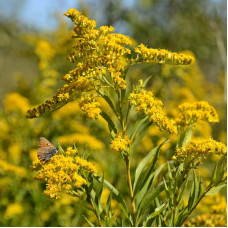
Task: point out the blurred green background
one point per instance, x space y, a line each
35 40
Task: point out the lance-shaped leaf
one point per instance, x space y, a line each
136 126
215 190
139 138
90 223
108 100
194 192
157 212
147 200
115 194
186 136
145 162
143 177
148 184
111 125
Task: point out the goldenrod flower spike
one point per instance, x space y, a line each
153 108
64 95
149 55
191 112
200 148
121 143
90 106
63 173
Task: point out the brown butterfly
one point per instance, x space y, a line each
46 150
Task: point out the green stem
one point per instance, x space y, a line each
131 191
95 212
189 213
121 119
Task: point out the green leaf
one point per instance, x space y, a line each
183 189
145 175
157 212
115 193
108 100
60 149
108 204
111 125
186 136
90 223
98 196
193 197
139 138
148 199
215 190
181 217
145 82
144 162
148 184
200 187
136 126
213 177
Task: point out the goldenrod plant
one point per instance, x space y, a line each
158 195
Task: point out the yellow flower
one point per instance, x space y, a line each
153 108
70 151
16 102
64 95
8 168
150 55
191 112
82 139
63 173
90 106
13 209
200 148
85 165
121 143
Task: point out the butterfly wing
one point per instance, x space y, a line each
46 150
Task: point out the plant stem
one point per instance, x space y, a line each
121 111
131 191
95 212
205 192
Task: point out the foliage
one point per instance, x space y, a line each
164 189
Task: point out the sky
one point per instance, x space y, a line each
40 14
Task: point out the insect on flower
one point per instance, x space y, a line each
46 150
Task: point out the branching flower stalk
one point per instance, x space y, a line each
102 59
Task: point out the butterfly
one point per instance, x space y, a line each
46 150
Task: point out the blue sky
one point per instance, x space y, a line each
41 13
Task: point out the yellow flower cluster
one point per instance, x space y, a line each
90 106
85 165
96 49
64 95
13 209
150 55
217 217
82 139
153 108
8 168
121 143
200 148
15 102
63 173
191 112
